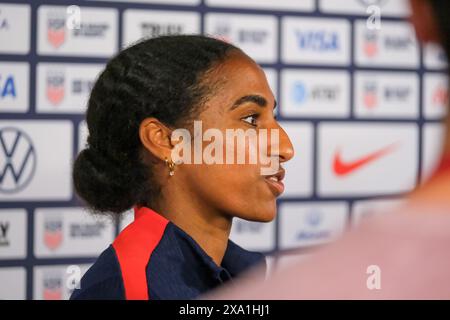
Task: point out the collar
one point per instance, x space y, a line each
235 261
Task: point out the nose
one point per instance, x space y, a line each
286 148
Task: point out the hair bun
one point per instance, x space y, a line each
104 186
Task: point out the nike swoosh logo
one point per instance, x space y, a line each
342 168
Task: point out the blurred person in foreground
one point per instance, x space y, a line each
400 255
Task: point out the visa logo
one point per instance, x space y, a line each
317 40
7 87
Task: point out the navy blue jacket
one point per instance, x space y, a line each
152 258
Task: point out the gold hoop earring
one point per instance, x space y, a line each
171 165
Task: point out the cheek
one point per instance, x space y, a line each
226 185
232 179
242 150
235 189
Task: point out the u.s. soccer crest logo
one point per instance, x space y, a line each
370 95
55 87
56 28
52 286
370 46
53 233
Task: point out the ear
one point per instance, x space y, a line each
155 137
424 21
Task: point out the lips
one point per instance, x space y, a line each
275 182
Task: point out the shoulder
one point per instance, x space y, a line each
103 280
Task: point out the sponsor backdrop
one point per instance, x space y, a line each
362 107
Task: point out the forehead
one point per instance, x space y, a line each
238 76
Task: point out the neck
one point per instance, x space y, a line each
209 228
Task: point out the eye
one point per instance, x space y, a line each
251 119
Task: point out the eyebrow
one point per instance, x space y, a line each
255 98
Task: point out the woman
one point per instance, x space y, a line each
177 247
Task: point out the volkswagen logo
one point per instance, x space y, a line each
17 160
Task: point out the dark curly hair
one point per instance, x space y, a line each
162 77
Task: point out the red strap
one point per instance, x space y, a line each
134 246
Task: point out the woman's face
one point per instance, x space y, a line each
241 100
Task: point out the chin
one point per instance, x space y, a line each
267 218
266 214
